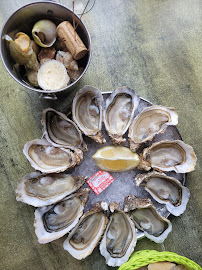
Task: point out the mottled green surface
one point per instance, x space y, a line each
152 46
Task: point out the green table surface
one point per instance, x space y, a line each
152 46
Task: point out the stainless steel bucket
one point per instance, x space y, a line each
24 19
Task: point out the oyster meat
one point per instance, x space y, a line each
85 236
60 131
119 112
119 237
165 190
49 159
87 112
39 189
169 156
54 221
151 121
147 219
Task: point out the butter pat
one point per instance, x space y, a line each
52 75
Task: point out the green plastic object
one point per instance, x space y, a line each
145 257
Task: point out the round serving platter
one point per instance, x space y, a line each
123 184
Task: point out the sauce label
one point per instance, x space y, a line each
100 181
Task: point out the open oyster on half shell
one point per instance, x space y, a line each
54 221
85 236
44 157
147 219
39 189
168 156
165 190
60 131
149 122
119 112
87 112
119 238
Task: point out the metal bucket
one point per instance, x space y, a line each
23 20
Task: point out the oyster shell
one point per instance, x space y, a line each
147 219
44 33
165 190
21 51
60 131
85 236
39 189
46 53
149 122
119 237
49 159
119 112
75 74
54 221
32 76
87 112
67 59
168 156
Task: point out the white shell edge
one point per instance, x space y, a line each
46 237
118 261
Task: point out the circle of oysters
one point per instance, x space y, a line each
59 198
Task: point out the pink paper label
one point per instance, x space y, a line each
100 181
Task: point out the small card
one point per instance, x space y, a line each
100 181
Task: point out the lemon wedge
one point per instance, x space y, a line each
116 159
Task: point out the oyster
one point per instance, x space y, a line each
44 33
87 112
60 131
54 221
84 237
49 159
119 238
119 112
168 156
165 190
147 219
39 189
149 122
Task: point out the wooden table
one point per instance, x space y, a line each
154 47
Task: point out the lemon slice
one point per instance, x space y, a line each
116 159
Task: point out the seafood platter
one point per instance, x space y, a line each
78 144
45 47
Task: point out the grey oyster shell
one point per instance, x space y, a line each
119 238
87 112
147 219
119 112
54 221
85 236
39 189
